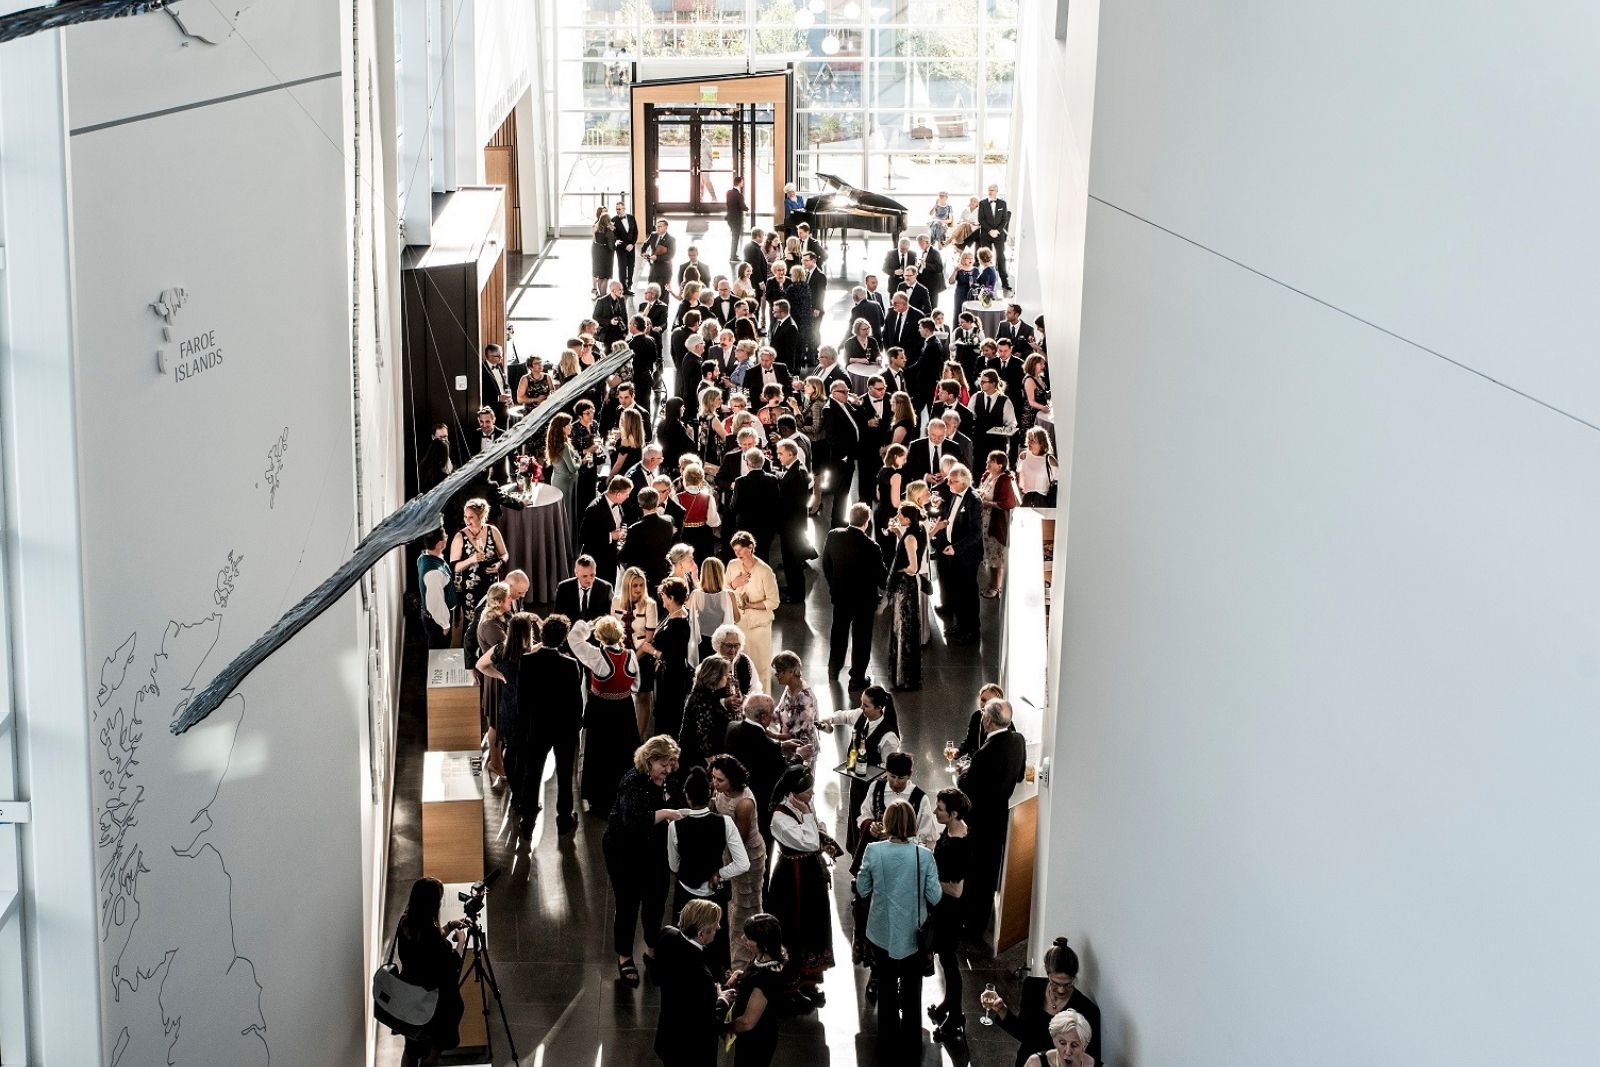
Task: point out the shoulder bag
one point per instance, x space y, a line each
405 1008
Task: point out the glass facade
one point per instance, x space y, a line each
903 97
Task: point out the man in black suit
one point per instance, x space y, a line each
915 292
874 293
624 238
757 502
957 545
646 359
690 1020
989 777
624 398
975 722
583 596
760 271
767 371
692 270
948 398
691 372
1008 367
931 269
966 449
648 467
611 312
496 382
994 219
650 536
843 434
437 461
795 495
900 327
764 758
487 438
723 303
604 526
853 565
654 309
817 282
924 455
1018 332
810 244
551 712
898 259
895 377
735 215
928 371
785 337
866 308
875 419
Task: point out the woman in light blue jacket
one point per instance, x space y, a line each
901 880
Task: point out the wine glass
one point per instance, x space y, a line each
950 751
987 1019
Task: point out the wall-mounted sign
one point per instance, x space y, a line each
708 94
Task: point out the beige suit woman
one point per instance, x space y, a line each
755 594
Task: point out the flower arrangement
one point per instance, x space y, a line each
529 471
985 295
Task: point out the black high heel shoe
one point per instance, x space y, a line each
937 1013
952 1029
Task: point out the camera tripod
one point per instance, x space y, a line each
482 972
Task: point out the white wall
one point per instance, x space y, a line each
1330 658
232 909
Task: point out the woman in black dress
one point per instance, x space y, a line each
754 1021
953 854
600 252
1041 999
670 646
705 715
502 663
903 420
430 958
891 487
635 850
673 433
798 892
860 346
798 293
905 596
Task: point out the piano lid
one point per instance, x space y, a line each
862 197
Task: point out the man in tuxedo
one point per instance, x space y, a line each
898 259
692 270
989 776
817 282
948 398
853 565
916 293
654 309
640 473
870 310
874 293
650 536
895 378
660 247
874 418
624 238
924 455
605 524
486 439
843 435
767 371
994 219
795 498
760 271
1008 367
757 502
900 326
810 244
550 716
785 336
495 384
691 372
957 545
1018 332
437 462
611 312
516 366
623 399
764 758
646 359
585 595
735 215
723 303
931 269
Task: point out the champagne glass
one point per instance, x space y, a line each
988 1015
950 751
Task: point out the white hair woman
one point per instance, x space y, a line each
1070 1033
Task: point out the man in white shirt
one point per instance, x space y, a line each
897 785
705 850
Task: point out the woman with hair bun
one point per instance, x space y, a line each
756 989
1041 1000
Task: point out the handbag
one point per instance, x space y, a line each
405 1008
1050 495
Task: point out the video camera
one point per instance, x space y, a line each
472 900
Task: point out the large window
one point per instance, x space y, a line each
903 97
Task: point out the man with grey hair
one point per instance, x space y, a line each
853 565
757 502
988 777
764 758
864 307
963 444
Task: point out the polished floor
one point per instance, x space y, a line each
549 915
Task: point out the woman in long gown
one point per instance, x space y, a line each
501 663
891 491
799 893
610 731
705 716
561 466
998 491
637 611
670 646
493 621
731 796
905 592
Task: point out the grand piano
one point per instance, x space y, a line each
851 208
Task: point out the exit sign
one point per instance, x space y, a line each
708 94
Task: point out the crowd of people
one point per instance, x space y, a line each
653 678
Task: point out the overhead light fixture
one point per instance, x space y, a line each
830 45
804 19
851 11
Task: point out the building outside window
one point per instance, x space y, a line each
906 98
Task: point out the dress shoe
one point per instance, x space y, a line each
862 682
